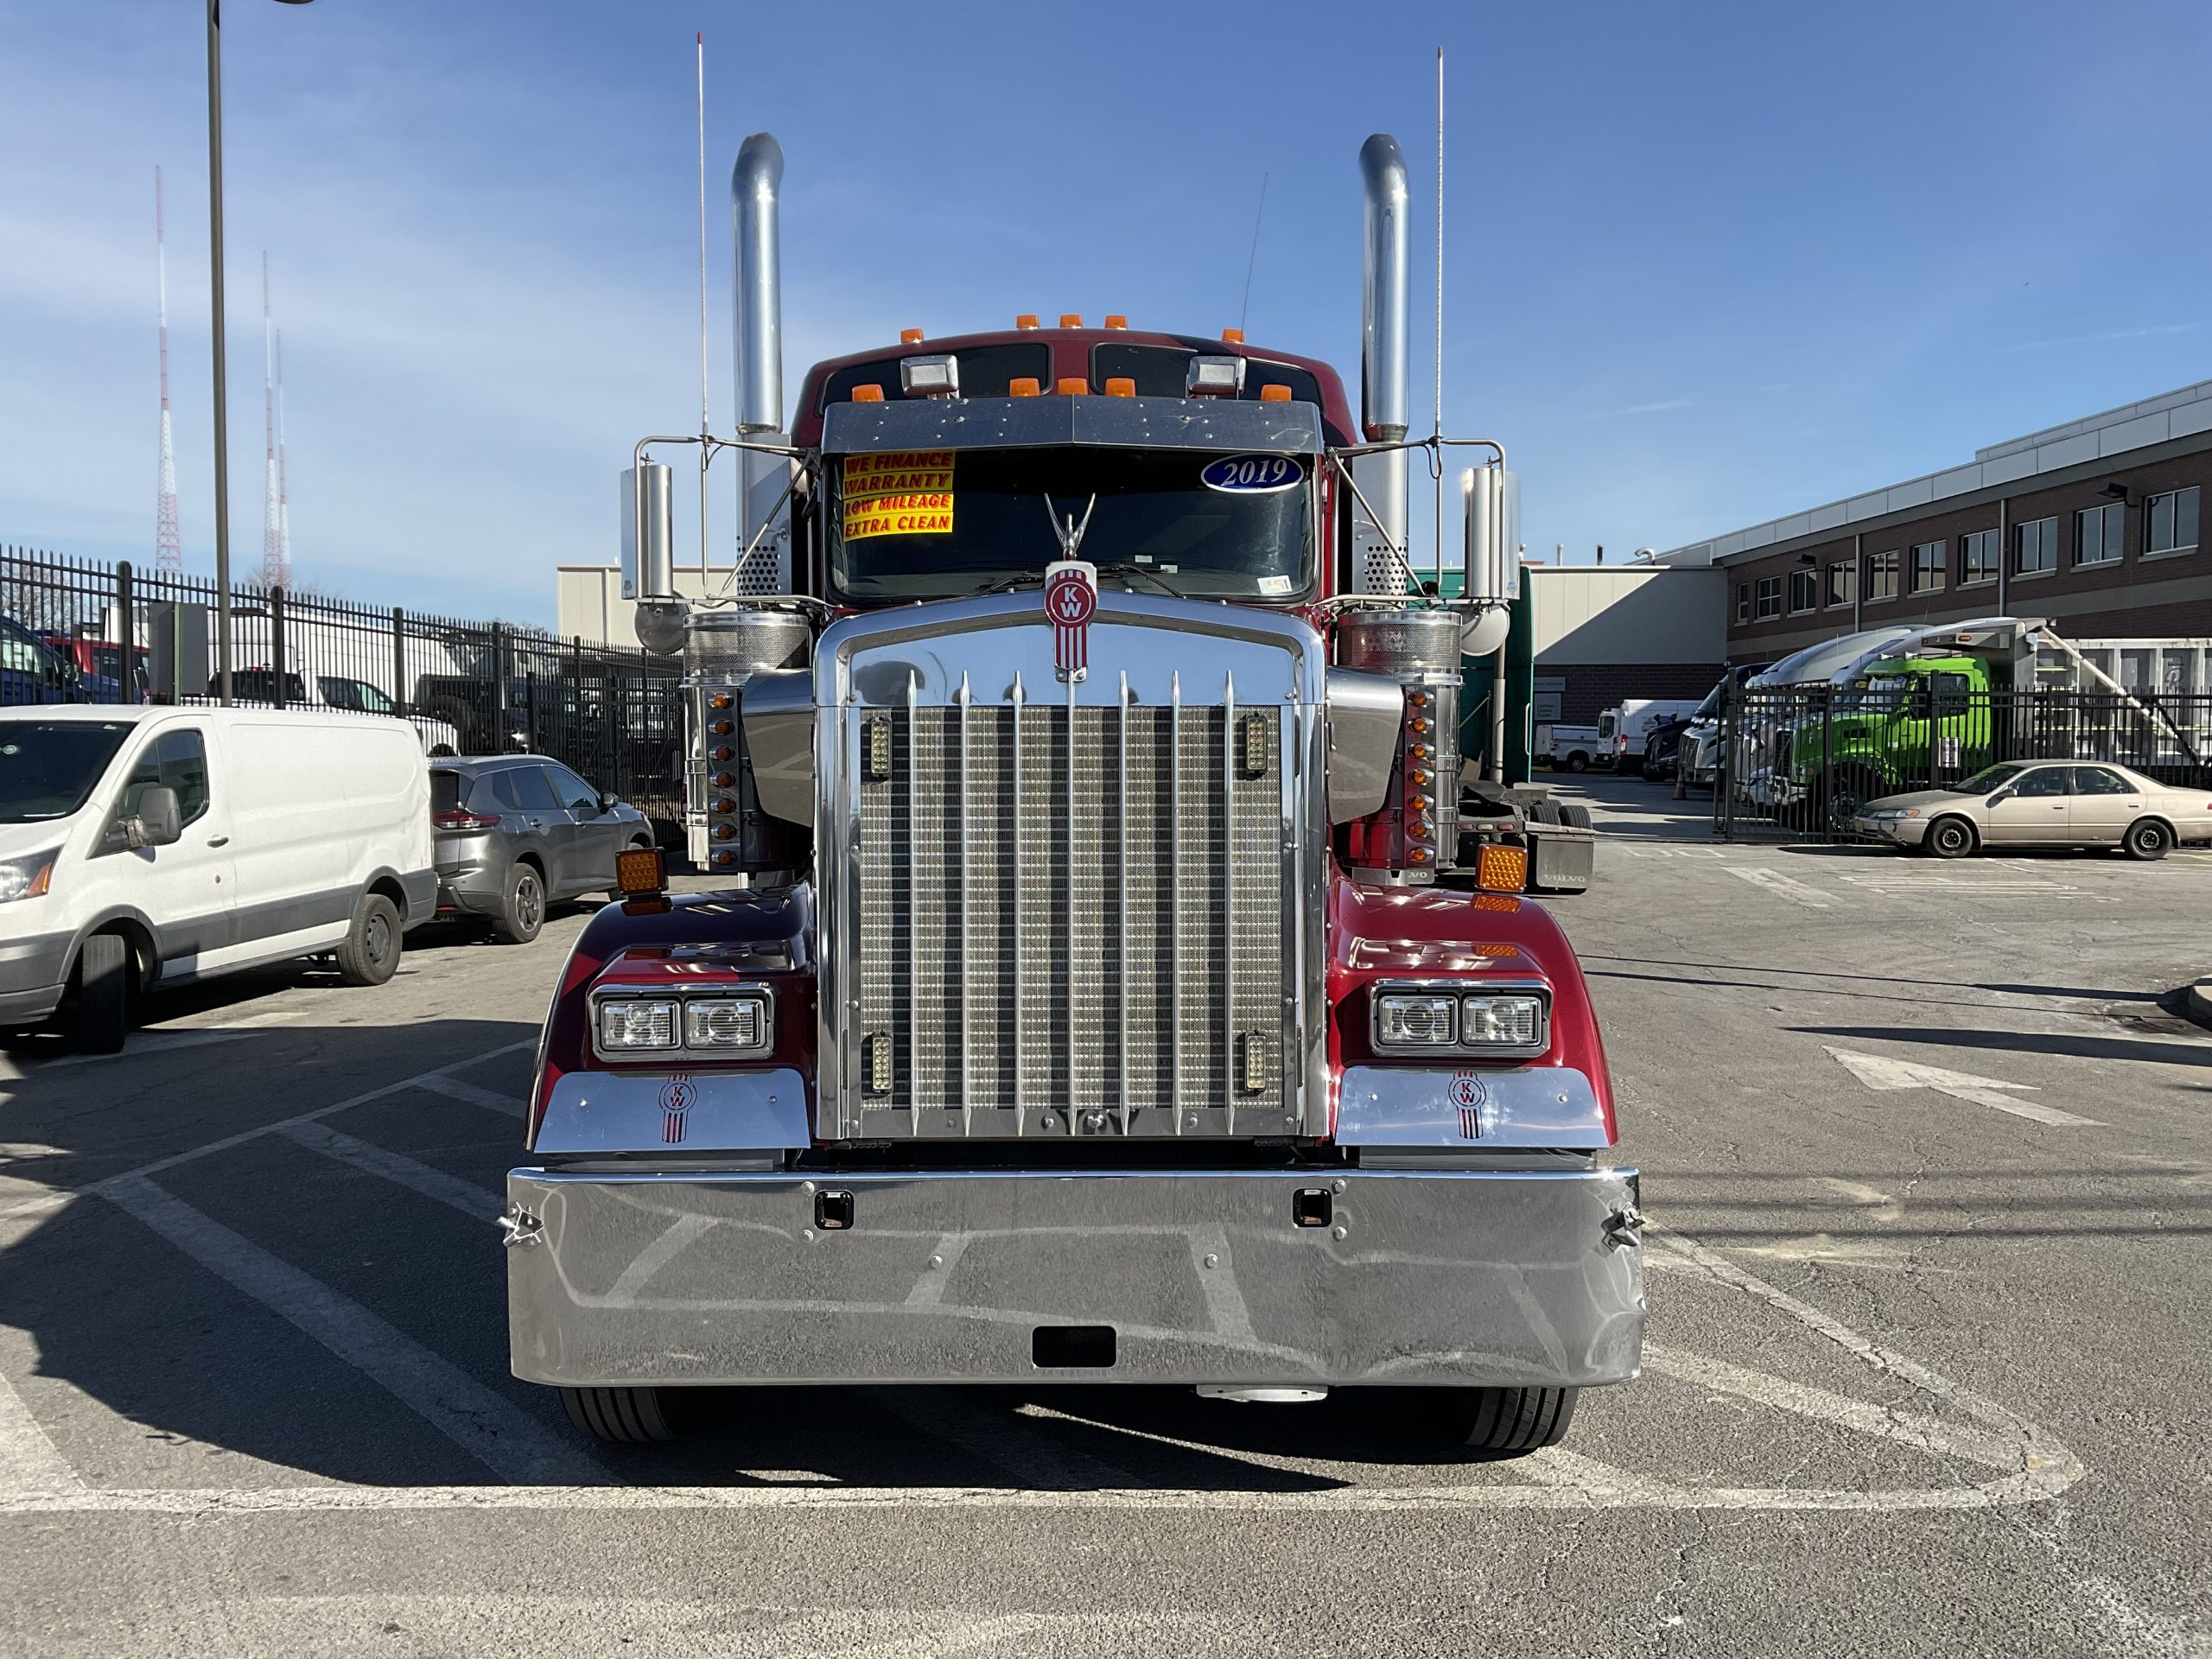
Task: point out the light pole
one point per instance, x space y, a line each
222 404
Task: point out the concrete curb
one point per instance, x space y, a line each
2197 1003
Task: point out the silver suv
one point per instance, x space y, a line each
516 832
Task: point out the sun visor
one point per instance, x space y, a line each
1236 427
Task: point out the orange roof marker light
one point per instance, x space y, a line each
1027 319
1120 386
1070 319
1232 336
1022 385
1274 394
1073 385
867 392
1116 320
910 336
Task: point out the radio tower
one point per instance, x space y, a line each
283 493
273 574
168 544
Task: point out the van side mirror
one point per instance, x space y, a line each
160 821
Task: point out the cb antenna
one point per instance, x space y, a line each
706 448
1436 463
1244 308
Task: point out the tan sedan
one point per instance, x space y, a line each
2042 804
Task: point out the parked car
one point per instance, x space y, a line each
32 671
517 832
1572 748
337 691
2042 804
146 846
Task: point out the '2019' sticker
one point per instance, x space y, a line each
1253 475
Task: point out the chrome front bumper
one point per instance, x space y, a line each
1501 1277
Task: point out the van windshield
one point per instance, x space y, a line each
48 767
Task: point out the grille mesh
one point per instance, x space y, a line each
1073 919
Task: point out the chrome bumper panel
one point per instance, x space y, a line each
1450 1276
1469 1107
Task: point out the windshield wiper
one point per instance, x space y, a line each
1125 570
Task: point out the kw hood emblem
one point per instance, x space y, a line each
676 1097
1070 600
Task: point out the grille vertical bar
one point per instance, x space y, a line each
1229 1078
1175 896
967 922
1015 850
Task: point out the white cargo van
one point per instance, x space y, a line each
142 846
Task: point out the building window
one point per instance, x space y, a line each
1843 583
1928 567
1804 592
2035 548
1882 576
1977 556
2099 534
1770 598
2170 522
1742 602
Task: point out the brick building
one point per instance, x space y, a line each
2092 525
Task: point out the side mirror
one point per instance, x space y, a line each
609 803
2000 797
159 821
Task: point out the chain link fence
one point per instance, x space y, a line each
81 631
1798 763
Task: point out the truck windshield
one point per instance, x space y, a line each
950 523
48 767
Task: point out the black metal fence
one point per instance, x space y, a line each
1798 762
77 631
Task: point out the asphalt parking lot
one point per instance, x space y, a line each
1924 1146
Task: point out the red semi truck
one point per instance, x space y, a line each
1102 979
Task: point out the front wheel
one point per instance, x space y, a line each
1505 1419
2148 839
1948 838
620 1416
103 995
1578 763
522 911
370 955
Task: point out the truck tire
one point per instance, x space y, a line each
618 1416
1545 812
1507 1420
521 912
1949 837
1575 815
370 955
1842 792
104 975
2148 839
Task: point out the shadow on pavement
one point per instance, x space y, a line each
2026 1042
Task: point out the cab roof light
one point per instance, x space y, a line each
1116 320
867 392
1070 319
1027 319
1232 336
930 376
1215 377
1073 385
1276 394
1121 385
910 336
1022 385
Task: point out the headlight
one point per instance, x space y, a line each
1416 1022
726 1022
634 1024
1502 1021
26 878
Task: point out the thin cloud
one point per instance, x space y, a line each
1658 408
2156 331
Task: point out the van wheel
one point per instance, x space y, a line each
1577 762
1498 1420
103 995
371 953
522 911
618 1416
2148 839
1950 837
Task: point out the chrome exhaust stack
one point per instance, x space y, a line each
1379 562
764 533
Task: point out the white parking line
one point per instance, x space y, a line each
496 1432
453 1088
477 1203
1783 887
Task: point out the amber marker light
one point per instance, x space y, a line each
910 336
1120 386
1274 394
1073 385
1070 319
1022 385
1116 320
1027 319
1500 868
869 392
642 875
1232 336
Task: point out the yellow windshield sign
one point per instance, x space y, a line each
905 494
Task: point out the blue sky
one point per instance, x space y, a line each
1706 263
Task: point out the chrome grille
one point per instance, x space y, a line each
1074 919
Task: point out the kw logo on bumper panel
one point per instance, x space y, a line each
1070 600
676 1097
1468 1095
